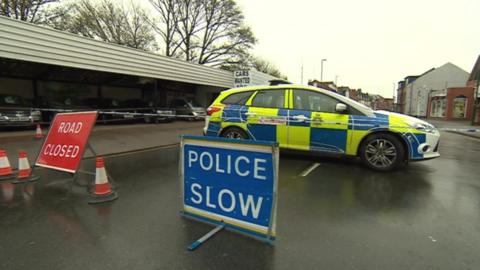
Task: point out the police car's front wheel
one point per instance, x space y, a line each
382 152
234 133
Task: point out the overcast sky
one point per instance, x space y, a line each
369 44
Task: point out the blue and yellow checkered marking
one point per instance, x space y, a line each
321 132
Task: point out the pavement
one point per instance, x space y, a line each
459 127
107 139
340 216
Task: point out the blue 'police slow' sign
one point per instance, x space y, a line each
232 182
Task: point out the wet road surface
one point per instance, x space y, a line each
339 216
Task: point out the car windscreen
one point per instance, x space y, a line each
110 103
350 101
192 103
134 103
12 101
73 102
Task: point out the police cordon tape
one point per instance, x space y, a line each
461 129
125 113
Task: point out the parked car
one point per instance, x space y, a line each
70 103
317 120
16 111
108 105
140 106
188 109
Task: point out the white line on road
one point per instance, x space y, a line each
309 169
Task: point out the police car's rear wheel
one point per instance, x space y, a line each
382 152
234 133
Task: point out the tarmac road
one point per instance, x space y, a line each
339 216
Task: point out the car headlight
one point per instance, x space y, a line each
425 127
35 113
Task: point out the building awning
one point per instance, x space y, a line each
33 43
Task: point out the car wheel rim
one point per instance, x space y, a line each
234 135
381 153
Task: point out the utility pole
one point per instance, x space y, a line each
393 96
410 97
321 69
301 73
336 78
394 102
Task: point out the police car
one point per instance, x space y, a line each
307 118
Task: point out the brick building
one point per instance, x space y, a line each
454 103
473 81
381 103
329 85
416 90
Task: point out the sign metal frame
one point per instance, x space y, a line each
223 143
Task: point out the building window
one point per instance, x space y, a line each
459 107
437 107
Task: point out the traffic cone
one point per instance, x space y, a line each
38 132
24 171
103 191
5 168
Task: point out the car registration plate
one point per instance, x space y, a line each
19 119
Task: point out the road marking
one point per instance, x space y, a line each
309 169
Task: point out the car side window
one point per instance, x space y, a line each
313 101
177 103
269 99
237 98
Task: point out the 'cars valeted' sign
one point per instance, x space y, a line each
242 78
66 141
232 182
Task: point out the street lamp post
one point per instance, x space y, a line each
321 69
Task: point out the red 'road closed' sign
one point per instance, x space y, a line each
66 141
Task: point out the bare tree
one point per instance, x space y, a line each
204 31
224 37
25 10
188 24
166 27
108 21
265 66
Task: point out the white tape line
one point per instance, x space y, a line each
127 113
461 129
309 169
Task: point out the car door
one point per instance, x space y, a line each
267 116
314 124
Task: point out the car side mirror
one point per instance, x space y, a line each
340 108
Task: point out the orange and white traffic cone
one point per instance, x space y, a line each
6 171
24 171
38 132
103 191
